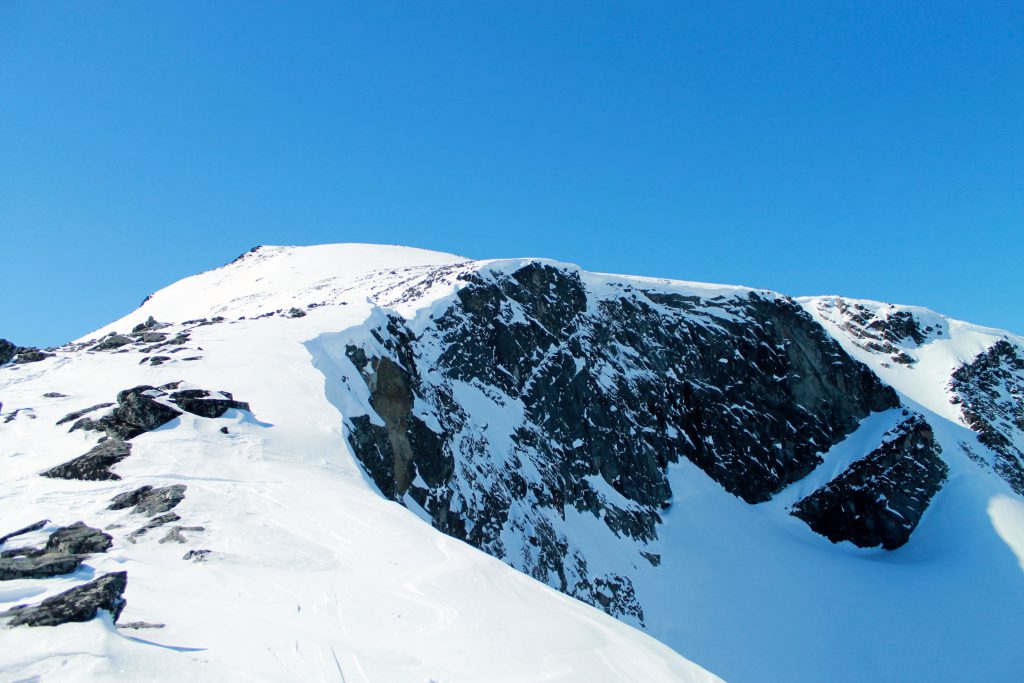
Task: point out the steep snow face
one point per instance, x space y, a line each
296 569
382 372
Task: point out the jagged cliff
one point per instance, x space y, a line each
532 391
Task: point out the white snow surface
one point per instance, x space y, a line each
316 577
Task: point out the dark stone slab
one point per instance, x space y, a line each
38 567
78 538
81 603
94 465
114 341
201 402
148 500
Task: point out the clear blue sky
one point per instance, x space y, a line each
873 149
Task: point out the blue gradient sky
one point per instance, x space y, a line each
872 149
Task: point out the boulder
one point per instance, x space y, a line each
94 465
78 538
81 603
7 351
137 412
148 500
31 355
38 567
150 324
201 402
114 341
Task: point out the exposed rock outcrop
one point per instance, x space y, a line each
530 394
31 355
883 328
148 500
111 342
990 391
78 538
94 465
879 499
7 351
81 603
39 566
207 404
137 412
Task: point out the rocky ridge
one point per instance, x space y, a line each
534 392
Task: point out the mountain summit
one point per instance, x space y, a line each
381 463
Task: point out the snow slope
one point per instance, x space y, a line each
314 576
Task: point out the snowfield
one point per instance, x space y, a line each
313 575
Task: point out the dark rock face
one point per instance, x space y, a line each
204 404
81 603
990 390
137 412
530 395
94 465
888 331
144 408
148 500
30 355
38 566
7 351
879 499
129 498
10 352
114 341
79 539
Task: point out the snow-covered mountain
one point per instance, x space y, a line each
297 459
